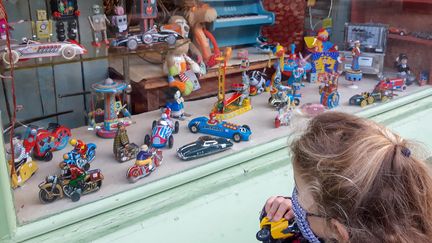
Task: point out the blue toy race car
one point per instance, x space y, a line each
162 133
220 129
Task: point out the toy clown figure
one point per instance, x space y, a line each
98 23
322 43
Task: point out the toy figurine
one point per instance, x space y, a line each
245 89
258 82
204 146
42 27
424 78
146 162
175 104
280 93
72 183
329 92
65 11
220 128
354 74
42 142
162 133
123 150
120 21
146 11
25 167
404 70
284 115
82 154
98 23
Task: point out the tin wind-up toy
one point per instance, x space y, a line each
111 90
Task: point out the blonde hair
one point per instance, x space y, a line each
364 175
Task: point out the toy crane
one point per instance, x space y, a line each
239 102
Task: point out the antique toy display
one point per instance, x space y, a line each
218 128
123 149
65 11
30 49
98 23
42 27
162 132
329 91
203 146
81 155
152 36
404 70
120 21
111 90
354 74
285 112
72 183
146 162
42 142
175 104
25 167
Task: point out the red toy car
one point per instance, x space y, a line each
391 84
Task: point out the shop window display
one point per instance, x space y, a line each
88 84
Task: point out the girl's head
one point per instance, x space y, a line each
362 181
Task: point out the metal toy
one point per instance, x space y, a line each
112 107
354 74
203 146
404 70
72 183
218 128
146 162
65 11
42 142
82 154
25 167
284 115
120 21
123 150
146 13
175 104
98 23
329 91
42 27
162 133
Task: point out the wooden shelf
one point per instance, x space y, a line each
418 1
411 39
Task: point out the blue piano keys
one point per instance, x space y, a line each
239 22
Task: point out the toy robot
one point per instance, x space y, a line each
147 14
98 25
119 21
42 26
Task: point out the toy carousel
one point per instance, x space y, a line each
111 91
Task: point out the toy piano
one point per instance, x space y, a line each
239 22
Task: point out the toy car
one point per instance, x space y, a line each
152 36
220 129
392 84
143 168
272 232
162 133
204 146
398 31
33 49
362 99
42 142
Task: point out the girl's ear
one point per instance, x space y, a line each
340 230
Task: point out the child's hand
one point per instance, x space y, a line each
278 207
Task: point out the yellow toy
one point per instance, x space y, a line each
42 27
281 229
24 166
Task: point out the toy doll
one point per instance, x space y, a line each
120 21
